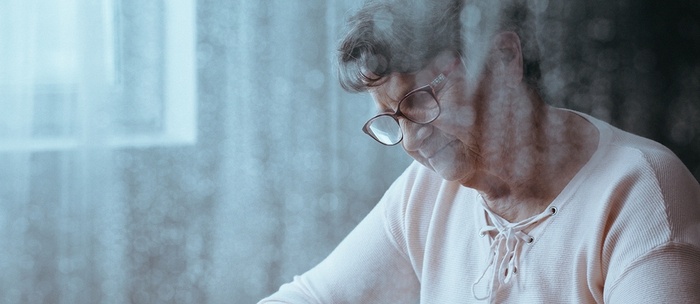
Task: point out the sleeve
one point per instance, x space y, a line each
668 274
366 267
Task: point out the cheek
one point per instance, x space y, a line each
457 121
459 112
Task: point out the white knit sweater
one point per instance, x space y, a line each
626 229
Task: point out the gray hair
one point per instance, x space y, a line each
402 36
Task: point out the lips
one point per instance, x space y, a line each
432 154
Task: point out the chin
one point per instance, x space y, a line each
451 168
452 173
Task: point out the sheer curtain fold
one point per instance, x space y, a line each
56 169
297 161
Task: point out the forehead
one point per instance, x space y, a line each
395 87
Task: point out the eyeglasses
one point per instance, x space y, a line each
419 106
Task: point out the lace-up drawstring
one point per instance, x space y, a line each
505 247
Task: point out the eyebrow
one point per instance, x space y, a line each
392 100
403 92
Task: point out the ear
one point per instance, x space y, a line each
506 57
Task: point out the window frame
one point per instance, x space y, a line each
178 121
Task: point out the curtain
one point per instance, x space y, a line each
57 196
119 187
203 152
298 173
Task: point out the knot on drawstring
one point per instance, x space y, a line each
507 240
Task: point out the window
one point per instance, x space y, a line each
111 72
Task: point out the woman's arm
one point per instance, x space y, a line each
366 267
668 274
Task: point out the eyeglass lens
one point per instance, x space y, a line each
385 129
419 107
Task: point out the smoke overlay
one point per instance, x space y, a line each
279 171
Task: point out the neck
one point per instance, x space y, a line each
529 156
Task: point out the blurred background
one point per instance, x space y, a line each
201 151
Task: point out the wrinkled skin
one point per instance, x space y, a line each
494 135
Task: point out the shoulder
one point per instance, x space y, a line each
650 203
655 168
630 160
414 199
416 183
669 273
628 153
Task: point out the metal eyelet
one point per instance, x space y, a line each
554 210
532 239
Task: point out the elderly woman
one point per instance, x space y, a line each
510 200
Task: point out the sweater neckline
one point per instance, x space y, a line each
604 138
537 221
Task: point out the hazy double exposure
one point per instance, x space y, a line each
202 151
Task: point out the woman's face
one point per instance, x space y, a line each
450 144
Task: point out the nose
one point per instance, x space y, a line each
414 134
